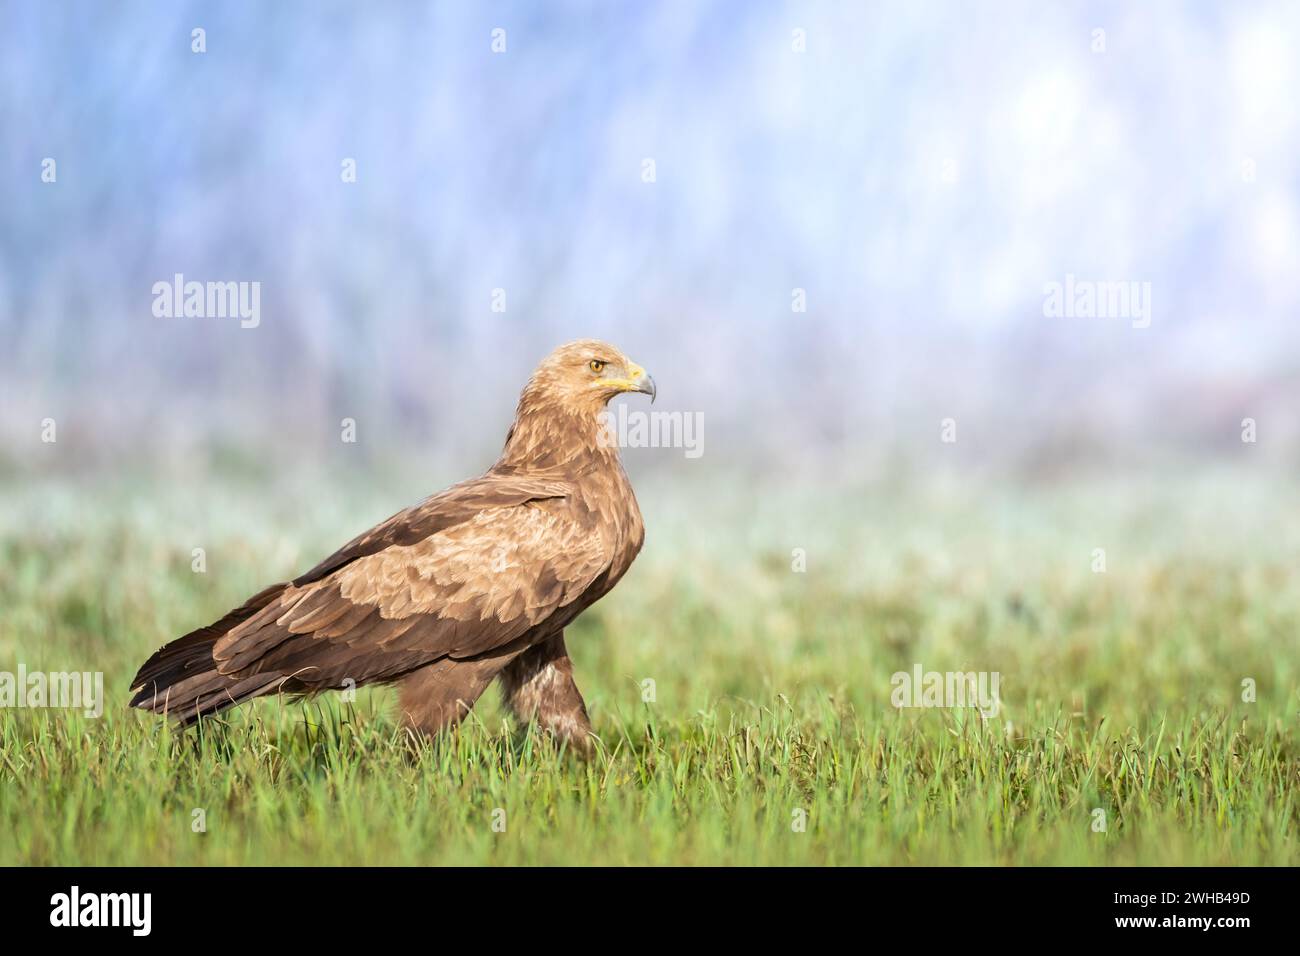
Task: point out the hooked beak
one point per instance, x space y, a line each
638 380
646 385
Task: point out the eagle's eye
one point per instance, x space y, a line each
596 365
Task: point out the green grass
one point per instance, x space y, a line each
1121 691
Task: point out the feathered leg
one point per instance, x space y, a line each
440 694
539 685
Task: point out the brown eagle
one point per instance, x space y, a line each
475 582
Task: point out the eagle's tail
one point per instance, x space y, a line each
181 678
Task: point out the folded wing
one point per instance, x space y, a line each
423 586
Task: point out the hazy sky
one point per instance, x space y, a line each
667 176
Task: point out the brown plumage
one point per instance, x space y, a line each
473 583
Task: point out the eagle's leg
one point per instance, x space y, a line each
440 694
538 684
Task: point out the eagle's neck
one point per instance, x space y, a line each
550 436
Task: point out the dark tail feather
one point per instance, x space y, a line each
205 694
181 678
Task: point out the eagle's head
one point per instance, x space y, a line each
584 375
561 415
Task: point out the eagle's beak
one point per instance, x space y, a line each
636 381
640 381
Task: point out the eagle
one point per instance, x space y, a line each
474 583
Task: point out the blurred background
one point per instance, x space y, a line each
921 171
828 229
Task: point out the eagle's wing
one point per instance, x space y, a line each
438 512
465 572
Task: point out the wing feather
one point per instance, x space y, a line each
438 512
402 595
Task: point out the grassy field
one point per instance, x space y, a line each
1121 691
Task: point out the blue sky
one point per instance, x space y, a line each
920 170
